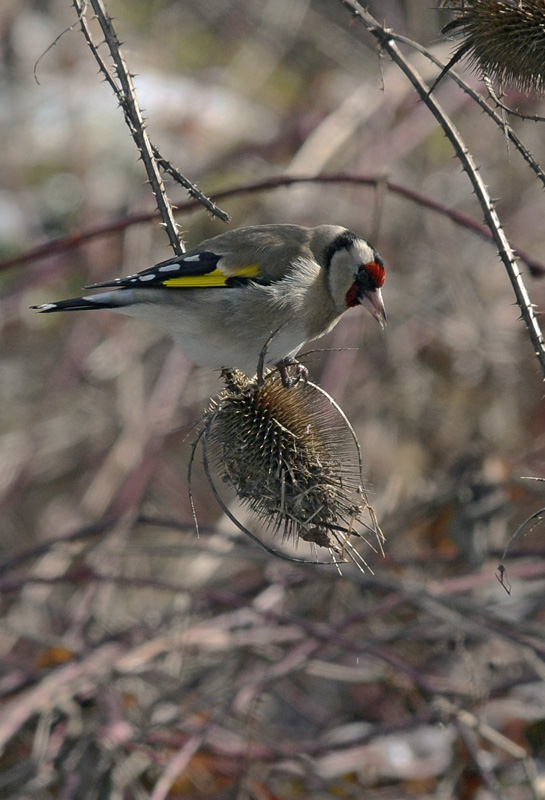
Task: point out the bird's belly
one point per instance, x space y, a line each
226 349
216 329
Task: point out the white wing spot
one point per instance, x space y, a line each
193 258
149 277
170 267
46 306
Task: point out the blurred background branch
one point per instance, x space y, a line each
536 267
137 660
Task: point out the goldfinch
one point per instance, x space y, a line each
224 299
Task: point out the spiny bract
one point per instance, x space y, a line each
505 39
291 457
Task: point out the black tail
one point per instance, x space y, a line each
75 304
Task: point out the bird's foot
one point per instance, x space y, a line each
301 372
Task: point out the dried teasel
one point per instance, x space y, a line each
504 39
293 459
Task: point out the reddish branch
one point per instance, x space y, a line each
79 237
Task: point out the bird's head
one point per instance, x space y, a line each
356 274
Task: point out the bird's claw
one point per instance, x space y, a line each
301 372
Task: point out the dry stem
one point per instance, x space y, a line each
386 42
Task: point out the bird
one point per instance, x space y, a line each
274 286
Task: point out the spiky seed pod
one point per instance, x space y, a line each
292 458
505 39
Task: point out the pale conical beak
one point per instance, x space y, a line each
374 304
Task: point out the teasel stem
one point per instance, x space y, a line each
383 37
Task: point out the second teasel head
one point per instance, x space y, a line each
504 39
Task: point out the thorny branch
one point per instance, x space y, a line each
123 88
498 119
386 42
192 190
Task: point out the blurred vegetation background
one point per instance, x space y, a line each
138 660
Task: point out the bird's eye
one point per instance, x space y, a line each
364 280
373 273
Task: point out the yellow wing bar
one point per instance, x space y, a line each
215 278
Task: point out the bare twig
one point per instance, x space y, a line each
524 528
385 40
192 190
56 688
497 739
123 87
471 742
177 764
63 243
499 102
498 119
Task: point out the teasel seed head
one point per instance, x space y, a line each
293 460
504 39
